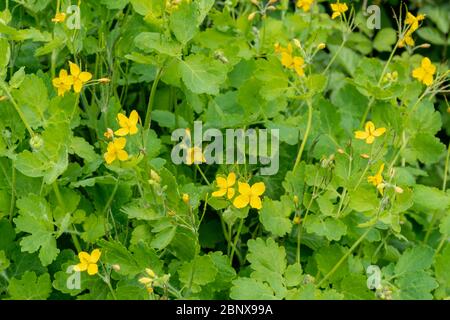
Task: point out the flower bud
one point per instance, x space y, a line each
272 1
296 201
251 16
364 156
2 98
425 46
255 2
398 189
109 134
104 80
271 8
341 151
296 220
321 46
150 272
155 176
116 267
297 43
185 198
36 142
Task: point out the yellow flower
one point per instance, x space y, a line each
338 9
377 179
63 83
88 262
225 186
127 125
413 23
249 195
59 17
369 132
109 134
425 72
290 61
305 4
195 155
79 77
115 151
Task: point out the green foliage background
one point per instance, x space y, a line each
205 60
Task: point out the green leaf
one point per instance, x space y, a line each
30 287
5 53
415 286
415 259
202 74
82 148
159 43
430 198
385 39
274 216
32 97
266 256
35 218
251 289
198 272
432 36
427 148
184 21
330 228
4 261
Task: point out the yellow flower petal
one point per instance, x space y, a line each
231 179
74 69
122 155
122 132
255 202
81 267
361 135
77 86
120 143
378 132
428 79
95 255
369 127
241 201
134 117
219 193
221 182
109 157
92 269
258 189
230 193
85 76
370 139
84 257
244 188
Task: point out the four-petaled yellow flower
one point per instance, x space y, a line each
305 4
79 77
88 262
377 179
225 186
425 72
194 155
369 132
338 9
249 195
290 61
413 23
63 83
127 125
59 17
115 151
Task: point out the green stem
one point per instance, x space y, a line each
447 159
344 257
334 56
236 239
305 138
13 192
202 174
369 106
60 200
151 100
